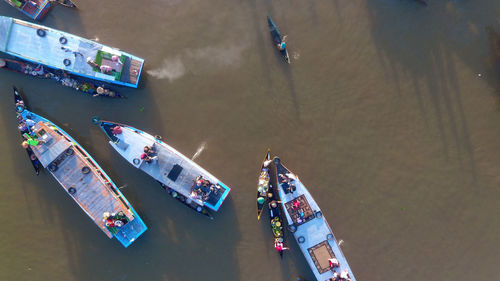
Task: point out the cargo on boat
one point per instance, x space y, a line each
79 175
80 84
181 177
267 194
310 228
63 51
35 9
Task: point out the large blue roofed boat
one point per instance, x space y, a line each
61 50
79 175
310 228
181 177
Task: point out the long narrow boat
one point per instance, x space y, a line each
34 161
180 176
263 184
66 80
277 38
63 51
38 9
81 177
310 228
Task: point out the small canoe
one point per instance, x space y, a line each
277 38
310 228
263 184
65 3
67 80
181 177
80 177
275 218
18 100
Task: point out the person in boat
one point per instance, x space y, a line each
296 205
146 158
30 141
117 130
282 45
279 245
92 63
333 263
149 150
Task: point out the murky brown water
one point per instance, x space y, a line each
382 114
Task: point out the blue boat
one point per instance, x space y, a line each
79 175
310 228
63 51
181 177
37 9
277 39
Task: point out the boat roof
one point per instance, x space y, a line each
35 9
170 168
313 234
95 192
21 39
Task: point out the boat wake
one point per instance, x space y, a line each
171 69
201 60
200 150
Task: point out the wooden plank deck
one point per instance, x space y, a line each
93 193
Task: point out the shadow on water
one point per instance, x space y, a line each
409 41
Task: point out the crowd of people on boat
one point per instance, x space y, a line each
114 220
149 154
202 188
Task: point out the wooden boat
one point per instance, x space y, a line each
310 228
38 9
33 159
66 80
263 184
63 51
65 3
81 177
277 38
181 177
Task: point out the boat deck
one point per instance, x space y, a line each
314 236
20 39
93 193
170 167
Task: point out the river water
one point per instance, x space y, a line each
389 113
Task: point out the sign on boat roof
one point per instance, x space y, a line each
61 50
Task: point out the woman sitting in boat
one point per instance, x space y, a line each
278 245
282 45
333 263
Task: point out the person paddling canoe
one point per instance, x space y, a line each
282 46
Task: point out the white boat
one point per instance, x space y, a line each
180 176
60 50
310 228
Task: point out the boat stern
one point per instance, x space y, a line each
131 231
215 204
